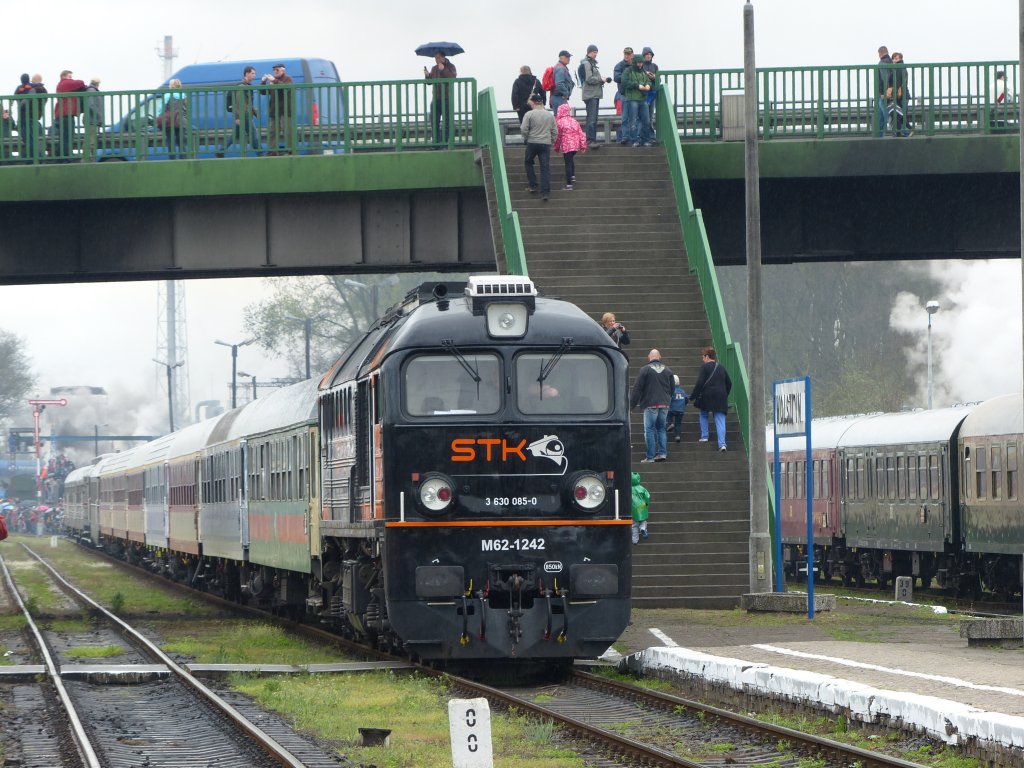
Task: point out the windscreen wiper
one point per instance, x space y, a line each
549 366
449 345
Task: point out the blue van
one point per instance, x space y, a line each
140 131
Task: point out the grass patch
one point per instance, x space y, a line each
334 707
221 642
109 584
94 651
12 622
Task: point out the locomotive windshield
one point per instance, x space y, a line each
442 384
576 384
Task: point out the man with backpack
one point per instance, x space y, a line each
562 89
240 105
592 84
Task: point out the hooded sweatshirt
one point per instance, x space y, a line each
633 78
641 500
571 137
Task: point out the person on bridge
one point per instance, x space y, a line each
652 72
280 112
94 117
711 395
29 112
593 89
174 120
563 82
620 68
884 91
443 69
65 111
636 117
571 140
242 108
539 134
900 97
653 390
525 86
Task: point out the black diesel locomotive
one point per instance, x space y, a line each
470 501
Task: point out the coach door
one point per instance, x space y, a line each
240 471
309 468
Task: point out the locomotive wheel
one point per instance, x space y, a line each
883 581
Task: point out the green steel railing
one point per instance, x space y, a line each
698 254
842 101
195 122
490 136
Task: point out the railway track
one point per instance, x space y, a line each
659 729
626 724
165 717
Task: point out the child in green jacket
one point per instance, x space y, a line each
641 498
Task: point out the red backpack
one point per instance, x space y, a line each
547 82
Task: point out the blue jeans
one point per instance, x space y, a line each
881 116
592 105
719 427
245 133
636 121
543 151
556 102
654 432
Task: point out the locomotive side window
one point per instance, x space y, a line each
577 384
997 472
440 385
1011 471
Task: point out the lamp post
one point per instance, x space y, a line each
931 308
252 376
307 329
234 366
170 391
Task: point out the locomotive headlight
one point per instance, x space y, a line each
507 320
588 491
436 494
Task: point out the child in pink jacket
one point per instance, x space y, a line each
571 139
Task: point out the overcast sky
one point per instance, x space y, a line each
114 326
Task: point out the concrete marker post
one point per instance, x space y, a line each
470 724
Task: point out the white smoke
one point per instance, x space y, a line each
976 334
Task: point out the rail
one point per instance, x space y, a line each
959 98
491 138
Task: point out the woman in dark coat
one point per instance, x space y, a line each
711 395
522 89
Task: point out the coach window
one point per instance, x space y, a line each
451 384
879 476
912 476
1011 471
570 384
816 475
826 472
980 473
901 476
788 483
861 478
890 476
922 477
935 472
997 472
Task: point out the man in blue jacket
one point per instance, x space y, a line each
563 82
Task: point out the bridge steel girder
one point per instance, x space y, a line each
216 218
864 199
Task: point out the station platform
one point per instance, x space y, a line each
873 661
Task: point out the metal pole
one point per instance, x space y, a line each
170 400
39 466
254 386
309 332
929 361
234 375
760 545
1020 55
